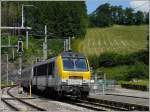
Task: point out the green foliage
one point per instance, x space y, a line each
107 15
147 18
126 72
63 19
102 16
142 82
140 85
35 49
139 71
139 17
122 67
110 59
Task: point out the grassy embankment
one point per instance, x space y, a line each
118 39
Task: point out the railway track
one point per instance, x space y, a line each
103 106
85 105
92 105
89 103
117 105
106 105
18 104
127 96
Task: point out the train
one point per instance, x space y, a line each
66 74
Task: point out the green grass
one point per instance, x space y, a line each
141 83
119 38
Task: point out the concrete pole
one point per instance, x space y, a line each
104 83
27 39
69 43
45 34
8 40
64 44
20 65
7 67
45 44
13 53
22 17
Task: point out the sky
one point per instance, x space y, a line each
142 5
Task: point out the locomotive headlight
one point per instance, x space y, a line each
64 81
86 81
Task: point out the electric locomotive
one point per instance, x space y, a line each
66 74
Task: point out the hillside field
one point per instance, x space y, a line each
119 39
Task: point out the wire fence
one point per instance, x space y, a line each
101 86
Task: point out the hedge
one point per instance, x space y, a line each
135 85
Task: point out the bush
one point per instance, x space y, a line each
126 72
142 85
139 71
93 60
142 55
110 59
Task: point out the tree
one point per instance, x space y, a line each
92 20
64 19
139 16
103 15
129 16
147 18
114 14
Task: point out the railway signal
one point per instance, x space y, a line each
20 47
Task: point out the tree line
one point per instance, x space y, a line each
63 18
107 15
67 18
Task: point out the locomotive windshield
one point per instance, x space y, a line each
75 64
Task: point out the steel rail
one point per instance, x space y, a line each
20 100
107 107
127 96
10 105
121 105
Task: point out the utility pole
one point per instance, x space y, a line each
7 67
13 53
22 24
45 45
22 14
69 43
27 39
20 51
104 83
64 44
8 40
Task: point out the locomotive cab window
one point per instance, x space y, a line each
81 64
75 64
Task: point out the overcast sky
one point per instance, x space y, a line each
142 5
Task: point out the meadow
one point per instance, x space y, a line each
118 39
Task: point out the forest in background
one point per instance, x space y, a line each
107 15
